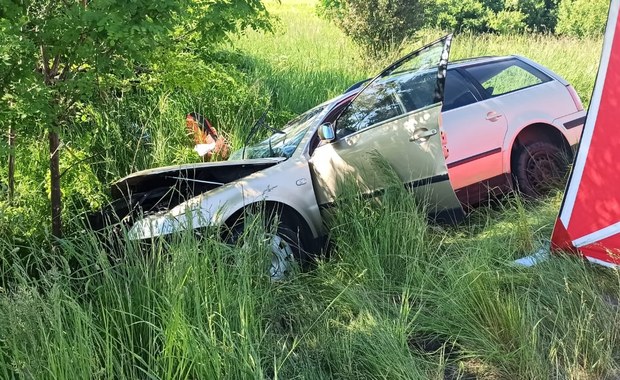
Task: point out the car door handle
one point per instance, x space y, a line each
423 134
493 116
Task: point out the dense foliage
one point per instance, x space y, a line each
376 24
60 59
380 24
582 17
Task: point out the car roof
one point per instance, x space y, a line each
473 61
476 60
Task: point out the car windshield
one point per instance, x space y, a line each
282 143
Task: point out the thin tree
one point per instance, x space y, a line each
81 47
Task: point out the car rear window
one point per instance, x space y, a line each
498 78
459 91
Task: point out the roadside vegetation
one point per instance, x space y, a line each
395 298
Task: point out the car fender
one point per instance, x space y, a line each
215 207
524 121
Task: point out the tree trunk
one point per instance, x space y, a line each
55 184
55 194
11 163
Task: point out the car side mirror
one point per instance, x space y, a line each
327 132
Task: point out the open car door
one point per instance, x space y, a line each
394 119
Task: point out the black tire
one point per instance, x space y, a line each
539 168
287 245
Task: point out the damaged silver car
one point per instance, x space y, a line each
297 173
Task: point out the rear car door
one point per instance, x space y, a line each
475 125
395 119
514 94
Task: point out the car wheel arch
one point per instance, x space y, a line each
286 212
533 133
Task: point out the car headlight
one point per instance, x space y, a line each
153 225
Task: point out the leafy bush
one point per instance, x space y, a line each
380 24
539 15
506 22
582 17
502 17
376 25
459 15
82 190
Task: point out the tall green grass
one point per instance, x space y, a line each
396 298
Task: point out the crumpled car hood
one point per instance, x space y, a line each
200 176
154 190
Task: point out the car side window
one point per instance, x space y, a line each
459 91
417 90
411 83
376 104
498 78
385 99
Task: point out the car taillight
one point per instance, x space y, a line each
576 98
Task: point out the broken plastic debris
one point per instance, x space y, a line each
531 260
203 149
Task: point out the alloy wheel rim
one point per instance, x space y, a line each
281 258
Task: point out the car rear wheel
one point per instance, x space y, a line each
540 167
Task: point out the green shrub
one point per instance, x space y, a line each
459 15
582 18
376 25
503 17
539 15
506 22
